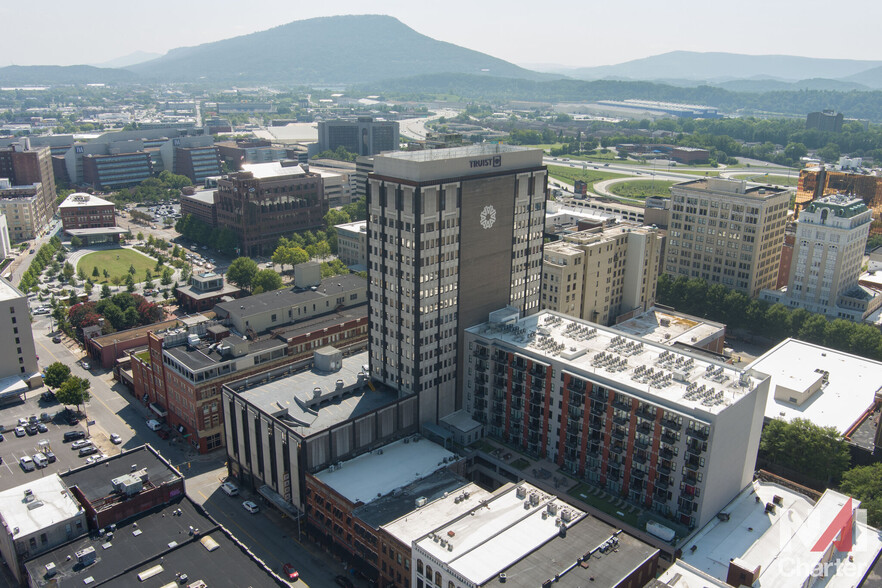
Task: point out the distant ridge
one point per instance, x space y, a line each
328 50
39 75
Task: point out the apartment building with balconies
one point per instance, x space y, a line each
664 429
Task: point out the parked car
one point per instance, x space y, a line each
230 489
80 444
85 365
115 439
27 464
344 581
74 435
47 396
88 450
42 428
40 460
251 507
19 432
50 456
56 339
31 429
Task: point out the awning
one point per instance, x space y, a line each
158 409
12 387
278 500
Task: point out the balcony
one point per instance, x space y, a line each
481 352
574 427
572 440
694 448
535 423
599 395
499 382
576 398
646 413
481 366
639 458
663 482
638 474
666 453
500 370
621 420
644 428
671 424
517 390
618 434
663 469
537 373
697 433
517 404
622 404
668 437
575 413
533 437
499 395
497 421
537 399
640 444
617 449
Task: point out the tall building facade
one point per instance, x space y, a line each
819 182
29 169
831 236
600 275
662 428
726 233
364 136
18 356
452 235
825 120
267 201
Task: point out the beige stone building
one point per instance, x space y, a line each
726 233
600 275
352 243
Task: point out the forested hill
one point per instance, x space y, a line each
855 104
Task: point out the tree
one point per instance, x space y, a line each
74 391
81 274
132 270
166 278
817 452
865 484
267 280
75 241
88 287
56 374
116 280
105 273
95 273
105 291
335 217
241 272
67 271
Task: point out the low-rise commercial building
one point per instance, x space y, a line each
37 517
200 204
180 374
663 428
774 535
20 205
204 291
602 274
85 211
827 387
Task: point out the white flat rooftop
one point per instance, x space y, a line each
682 380
354 227
8 291
81 199
272 169
781 542
427 518
853 384
496 533
665 327
372 475
55 505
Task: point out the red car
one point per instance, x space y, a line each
289 572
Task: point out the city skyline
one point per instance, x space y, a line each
563 33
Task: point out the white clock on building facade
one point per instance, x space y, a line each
488 217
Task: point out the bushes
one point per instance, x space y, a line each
776 322
31 278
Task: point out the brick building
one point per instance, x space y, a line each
267 201
84 211
180 373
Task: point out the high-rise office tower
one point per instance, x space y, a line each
453 234
726 233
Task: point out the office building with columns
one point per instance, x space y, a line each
452 235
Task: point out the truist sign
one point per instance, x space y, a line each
495 161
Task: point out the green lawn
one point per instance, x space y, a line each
520 464
117 263
770 179
696 172
591 176
642 189
583 493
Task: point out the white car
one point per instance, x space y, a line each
80 444
27 464
115 439
250 507
40 460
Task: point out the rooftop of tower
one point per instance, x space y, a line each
451 164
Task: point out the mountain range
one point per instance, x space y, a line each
359 49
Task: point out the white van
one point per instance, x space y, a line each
229 489
27 464
154 425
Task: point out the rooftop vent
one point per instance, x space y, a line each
421 501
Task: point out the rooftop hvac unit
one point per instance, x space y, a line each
566 515
421 501
86 556
534 498
50 569
521 492
552 508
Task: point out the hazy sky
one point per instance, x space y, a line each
568 32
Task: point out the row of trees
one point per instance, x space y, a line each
31 278
776 322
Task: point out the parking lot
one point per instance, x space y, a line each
13 448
